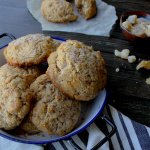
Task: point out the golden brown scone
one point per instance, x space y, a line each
54 113
87 8
15 97
58 11
27 126
77 70
29 50
28 73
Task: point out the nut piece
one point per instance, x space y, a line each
127 25
123 54
137 26
132 19
148 81
145 64
131 59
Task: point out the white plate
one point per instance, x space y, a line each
90 110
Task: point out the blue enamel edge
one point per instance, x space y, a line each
64 137
3 46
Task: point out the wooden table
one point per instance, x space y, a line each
128 91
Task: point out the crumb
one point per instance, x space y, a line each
136 82
145 64
148 80
117 53
24 136
148 31
131 59
117 69
38 134
123 54
42 135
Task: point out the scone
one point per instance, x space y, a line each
77 70
87 8
58 11
27 126
28 73
15 98
29 50
54 113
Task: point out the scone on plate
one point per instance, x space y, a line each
15 98
28 73
53 113
58 11
77 70
27 126
30 50
87 8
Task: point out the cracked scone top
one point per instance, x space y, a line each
53 113
15 97
58 11
87 8
77 70
30 50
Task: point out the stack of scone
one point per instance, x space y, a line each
34 98
62 11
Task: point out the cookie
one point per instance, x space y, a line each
15 98
77 70
58 11
30 50
54 113
87 8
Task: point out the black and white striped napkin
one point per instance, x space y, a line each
130 135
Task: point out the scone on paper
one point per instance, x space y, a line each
77 70
30 50
87 8
58 11
53 112
15 98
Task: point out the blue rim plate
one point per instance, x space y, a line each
90 110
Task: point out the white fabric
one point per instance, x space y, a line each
99 25
95 135
130 135
11 145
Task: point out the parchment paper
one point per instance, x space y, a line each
100 25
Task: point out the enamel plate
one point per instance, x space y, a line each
90 110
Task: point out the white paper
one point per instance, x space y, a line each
100 25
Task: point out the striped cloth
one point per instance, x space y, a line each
130 135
